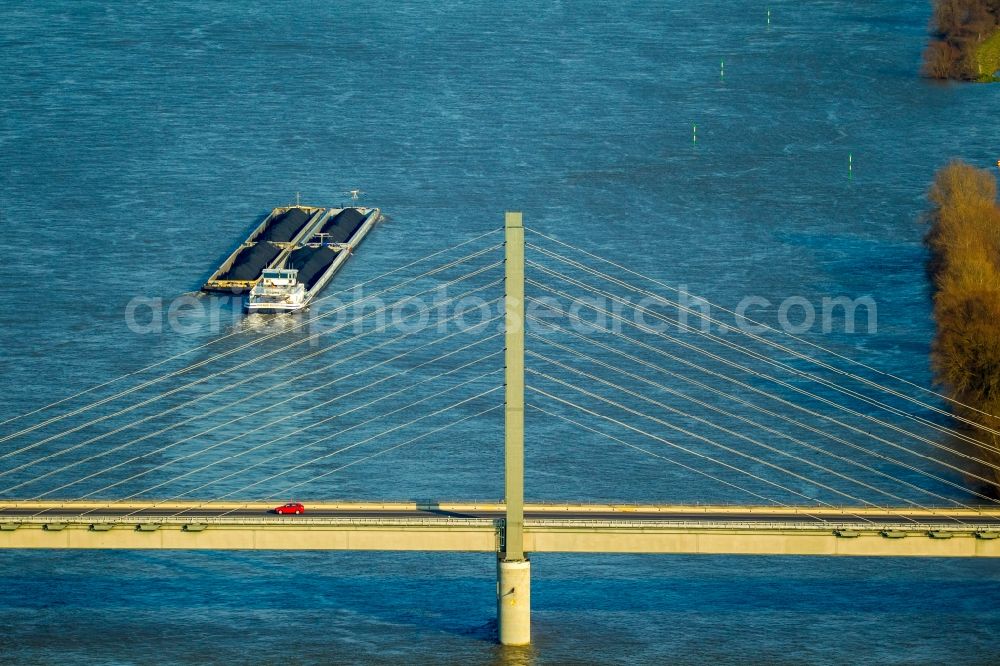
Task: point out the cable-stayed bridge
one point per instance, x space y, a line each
729 435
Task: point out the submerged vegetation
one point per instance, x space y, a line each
964 240
966 44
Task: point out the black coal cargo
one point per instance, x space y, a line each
283 227
251 261
311 263
342 226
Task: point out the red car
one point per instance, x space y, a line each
291 507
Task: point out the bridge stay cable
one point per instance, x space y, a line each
274 440
379 435
619 390
394 447
282 454
789 404
235 333
249 344
685 449
783 366
958 434
296 431
254 377
233 368
690 433
304 392
808 343
712 424
741 401
791 387
597 362
659 456
357 461
294 450
162 449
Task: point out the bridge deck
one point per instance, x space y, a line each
455 526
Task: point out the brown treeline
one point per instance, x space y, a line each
958 27
964 241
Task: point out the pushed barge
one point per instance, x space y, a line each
292 255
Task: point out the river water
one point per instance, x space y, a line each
140 140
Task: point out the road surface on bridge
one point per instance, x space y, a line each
493 511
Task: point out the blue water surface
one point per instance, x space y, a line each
141 140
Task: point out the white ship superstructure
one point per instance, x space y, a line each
278 290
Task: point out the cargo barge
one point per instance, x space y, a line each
292 255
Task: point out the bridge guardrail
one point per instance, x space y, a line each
431 522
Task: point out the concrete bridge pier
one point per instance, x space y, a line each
514 601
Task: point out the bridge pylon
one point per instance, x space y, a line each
513 567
